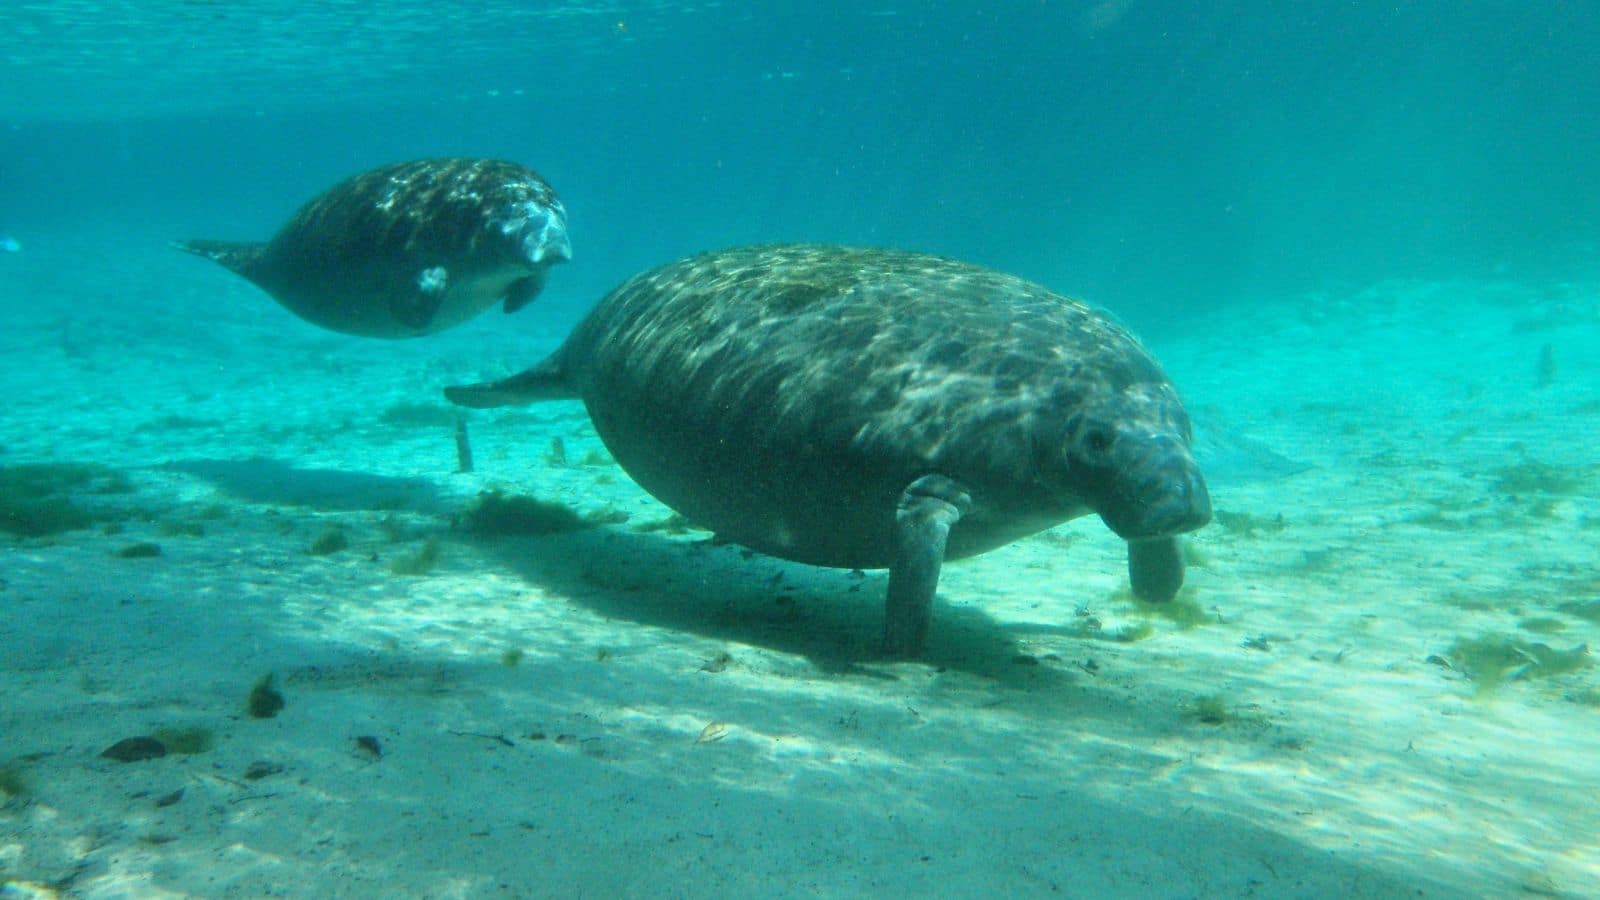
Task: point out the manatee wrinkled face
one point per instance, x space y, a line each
1127 454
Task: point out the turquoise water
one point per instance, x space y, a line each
1361 237
1145 155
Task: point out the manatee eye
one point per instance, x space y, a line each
1096 441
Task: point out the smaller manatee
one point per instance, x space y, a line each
409 249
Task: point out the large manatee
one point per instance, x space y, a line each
876 408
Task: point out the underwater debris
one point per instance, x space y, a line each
135 749
1090 627
500 739
368 748
262 769
329 540
264 700
1494 659
713 732
170 799
419 563
141 550
717 663
511 658
497 513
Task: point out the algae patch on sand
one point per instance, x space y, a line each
39 499
1493 659
498 513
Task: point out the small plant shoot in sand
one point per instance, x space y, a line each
330 540
1545 370
556 456
419 563
264 701
1212 709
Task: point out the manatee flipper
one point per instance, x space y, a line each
523 290
1155 568
927 510
546 381
242 257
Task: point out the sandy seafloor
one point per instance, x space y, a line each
691 720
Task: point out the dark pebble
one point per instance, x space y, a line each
134 749
261 769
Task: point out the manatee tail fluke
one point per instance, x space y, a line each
238 256
546 381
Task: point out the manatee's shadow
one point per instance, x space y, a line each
271 481
723 592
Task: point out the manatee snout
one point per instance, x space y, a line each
1171 502
544 235
1159 491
